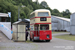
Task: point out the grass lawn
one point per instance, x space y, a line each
67 37
58 32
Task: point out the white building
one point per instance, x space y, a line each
5 25
72 23
60 23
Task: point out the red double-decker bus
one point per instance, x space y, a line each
40 24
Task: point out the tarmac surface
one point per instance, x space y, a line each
54 44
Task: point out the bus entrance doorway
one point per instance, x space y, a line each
36 34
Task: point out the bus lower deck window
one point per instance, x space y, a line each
44 27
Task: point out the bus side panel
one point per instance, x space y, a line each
43 35
34 33
31 34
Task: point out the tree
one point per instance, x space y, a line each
56 11
6 7
27 11
12 6
37 2
66 13
30 7
22 15
44 4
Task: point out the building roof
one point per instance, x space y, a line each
3 15
28 20
24 20
17 22
62 18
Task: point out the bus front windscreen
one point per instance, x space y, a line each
43 14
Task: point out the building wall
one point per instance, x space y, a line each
60 24
72 18
7 24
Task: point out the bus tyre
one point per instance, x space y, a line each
47 40
33 38
30 39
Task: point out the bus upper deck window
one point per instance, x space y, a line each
32 15
43 14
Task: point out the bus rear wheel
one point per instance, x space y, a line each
33 38
47 40
30 39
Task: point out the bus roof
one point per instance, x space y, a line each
38 10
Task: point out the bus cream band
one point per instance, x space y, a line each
37 20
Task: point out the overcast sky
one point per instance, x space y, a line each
61 5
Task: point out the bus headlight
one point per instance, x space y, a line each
47 36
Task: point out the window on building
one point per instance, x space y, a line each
4 19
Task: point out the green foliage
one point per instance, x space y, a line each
13 5
22 15
37 2
30 7
66 13
27 11
44 4
8 7
56 11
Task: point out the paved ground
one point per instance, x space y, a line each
3 38
55 44
57 34
6 44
